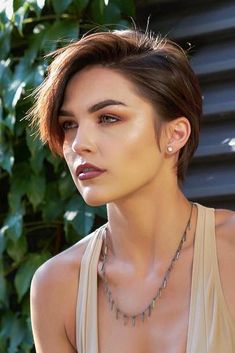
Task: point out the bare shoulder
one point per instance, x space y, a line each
53 299
61 266
225 225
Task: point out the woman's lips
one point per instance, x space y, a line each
88 171
90 174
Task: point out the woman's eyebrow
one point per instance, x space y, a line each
104 104
95 107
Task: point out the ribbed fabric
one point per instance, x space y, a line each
210 329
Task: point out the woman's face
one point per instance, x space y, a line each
107 124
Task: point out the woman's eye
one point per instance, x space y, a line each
66 125
107 119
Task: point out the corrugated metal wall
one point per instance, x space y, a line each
209 28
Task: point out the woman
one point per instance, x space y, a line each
124 108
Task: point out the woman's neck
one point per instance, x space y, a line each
146 228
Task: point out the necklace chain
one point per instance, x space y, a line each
148 310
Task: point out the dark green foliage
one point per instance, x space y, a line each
41 213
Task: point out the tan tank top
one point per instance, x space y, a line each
210 328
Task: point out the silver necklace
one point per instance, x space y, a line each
148 310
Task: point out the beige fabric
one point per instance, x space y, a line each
210 329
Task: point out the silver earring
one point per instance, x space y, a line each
169 149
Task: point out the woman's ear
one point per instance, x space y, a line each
177 134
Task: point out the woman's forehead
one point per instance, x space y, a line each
96 84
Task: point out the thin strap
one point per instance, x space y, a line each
210 328
211 244
196 300
86 312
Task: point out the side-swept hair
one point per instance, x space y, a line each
158 68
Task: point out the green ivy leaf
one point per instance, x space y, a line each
54 160
14 93
97 11
33 142
36 189
36 150
17 4
8 319
61 5
35 77
80 215
26 271
82 4
6 156
17 249
2 241
60 33
5 73
20 15
9 121
18 186
37 5
101 211
5 40
3 286
18 331
126 7
66 186
112 13
7 9
12 227
53 205
36 43
22 75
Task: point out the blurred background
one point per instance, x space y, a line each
41 213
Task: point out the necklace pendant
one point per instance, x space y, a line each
109 295
177 254
125 319
153 303
117 314
133 320
112 305
165 282
143 316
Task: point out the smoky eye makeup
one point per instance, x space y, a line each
108 119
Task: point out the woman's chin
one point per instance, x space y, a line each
92 200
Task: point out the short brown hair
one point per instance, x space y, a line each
158 67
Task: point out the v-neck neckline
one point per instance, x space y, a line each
192 286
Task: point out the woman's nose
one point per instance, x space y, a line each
83 141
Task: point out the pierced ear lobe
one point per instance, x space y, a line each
181 131
169 149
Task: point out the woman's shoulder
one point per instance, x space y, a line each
61 267
225 225
54 290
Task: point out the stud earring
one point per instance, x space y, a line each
169 149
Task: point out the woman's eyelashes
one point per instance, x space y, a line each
108 119
66 125
103 119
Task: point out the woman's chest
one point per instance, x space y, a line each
164 331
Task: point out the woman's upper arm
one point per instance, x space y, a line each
48 303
